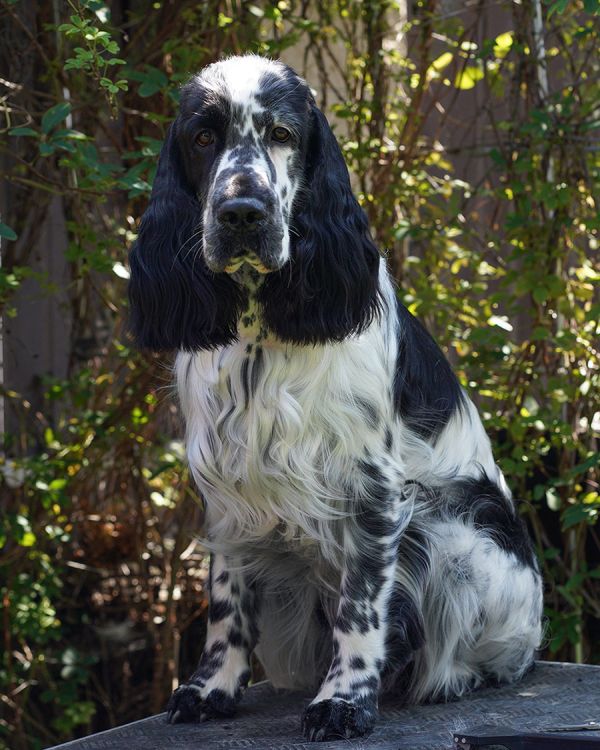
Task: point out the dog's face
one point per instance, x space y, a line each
251 172
243 127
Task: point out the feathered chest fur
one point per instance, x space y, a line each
278 435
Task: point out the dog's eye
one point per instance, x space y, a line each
205 137
281 135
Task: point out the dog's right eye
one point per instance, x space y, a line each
205 137
281 135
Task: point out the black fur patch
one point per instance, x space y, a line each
482 501
186 705
218 609
389 440
426 391
338 719
370 413
175 301
357 662
329 290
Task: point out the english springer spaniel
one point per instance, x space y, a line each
362 538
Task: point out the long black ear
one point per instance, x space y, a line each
329 289
176 302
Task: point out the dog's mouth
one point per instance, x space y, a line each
251 259
263 250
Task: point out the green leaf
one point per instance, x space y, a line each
552 553
28 539
497 157
84 54
7 232
436 67
54 115
558 7
442 61
576 514
73 64
23 131
468 77
152 146
46 149
57 484
69 133
153 80
591 462
503 43
539 333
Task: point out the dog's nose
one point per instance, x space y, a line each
241 214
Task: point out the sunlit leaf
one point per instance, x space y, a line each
467 78
503 43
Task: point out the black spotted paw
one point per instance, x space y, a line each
187 705
335 718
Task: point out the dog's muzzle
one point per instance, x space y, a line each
243 217
243 223
244 231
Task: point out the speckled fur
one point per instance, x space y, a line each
362 537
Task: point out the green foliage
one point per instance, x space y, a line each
481 184
96 57
7 232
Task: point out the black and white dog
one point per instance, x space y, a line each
361 535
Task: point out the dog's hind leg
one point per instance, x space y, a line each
482 614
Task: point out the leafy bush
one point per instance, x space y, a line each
475 155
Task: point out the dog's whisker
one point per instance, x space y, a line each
193 236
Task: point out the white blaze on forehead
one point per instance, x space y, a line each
239 80
240 76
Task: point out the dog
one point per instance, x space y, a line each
362 538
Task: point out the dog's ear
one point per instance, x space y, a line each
330 288
176 302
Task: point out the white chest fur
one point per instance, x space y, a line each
275 431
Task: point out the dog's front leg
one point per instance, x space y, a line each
223 671
346 705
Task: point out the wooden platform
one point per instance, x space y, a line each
553 694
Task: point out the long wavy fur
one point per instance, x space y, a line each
329 290
176 302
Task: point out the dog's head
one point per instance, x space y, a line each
250 173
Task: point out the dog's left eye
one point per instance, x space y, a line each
205 137
281 135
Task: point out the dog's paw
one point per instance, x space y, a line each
187 704
334 719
